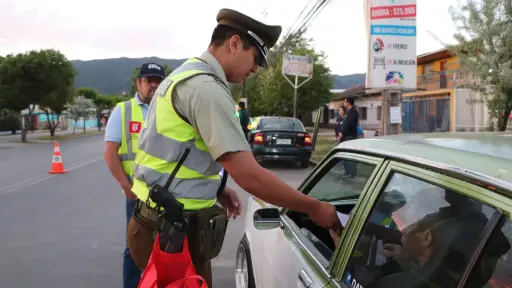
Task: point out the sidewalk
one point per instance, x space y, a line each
8 140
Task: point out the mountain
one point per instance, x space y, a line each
113 76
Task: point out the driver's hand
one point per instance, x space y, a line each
392 251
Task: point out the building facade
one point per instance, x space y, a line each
439 104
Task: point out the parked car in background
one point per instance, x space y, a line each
280 138
418 210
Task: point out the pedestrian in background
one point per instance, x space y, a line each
121 145
245 119
339 123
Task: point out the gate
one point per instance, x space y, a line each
426 115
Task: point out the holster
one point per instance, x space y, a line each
207 229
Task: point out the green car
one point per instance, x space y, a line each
418 210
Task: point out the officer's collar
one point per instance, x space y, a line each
137 99
212 61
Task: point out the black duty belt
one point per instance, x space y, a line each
146 216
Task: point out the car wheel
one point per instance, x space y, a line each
304 162
244 277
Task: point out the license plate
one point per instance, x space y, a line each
284 141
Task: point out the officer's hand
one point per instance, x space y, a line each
230 201
324 215
127 189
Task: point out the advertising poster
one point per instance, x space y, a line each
392 44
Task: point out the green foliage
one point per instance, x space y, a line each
9 123
484 46
58 76
270 94
43 77
135 74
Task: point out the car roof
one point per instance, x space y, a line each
278 117
478 155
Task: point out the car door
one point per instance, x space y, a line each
299 253
437 228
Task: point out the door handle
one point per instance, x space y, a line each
305 279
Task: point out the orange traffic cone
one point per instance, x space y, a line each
57 165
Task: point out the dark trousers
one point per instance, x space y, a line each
131 273
349 165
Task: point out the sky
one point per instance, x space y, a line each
98 29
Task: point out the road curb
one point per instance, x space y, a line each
312 163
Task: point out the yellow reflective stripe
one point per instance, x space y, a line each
130 111
122 148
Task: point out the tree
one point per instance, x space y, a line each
135 74
20 83
101 102
484 47
271 94
57 85
80 109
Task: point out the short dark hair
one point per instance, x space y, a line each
221 33
350 100
241 105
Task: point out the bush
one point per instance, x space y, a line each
10 123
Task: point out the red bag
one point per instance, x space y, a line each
166 270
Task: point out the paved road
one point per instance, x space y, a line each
68 230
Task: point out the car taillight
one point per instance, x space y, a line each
307 140
258 138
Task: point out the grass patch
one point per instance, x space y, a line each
324 144
68 136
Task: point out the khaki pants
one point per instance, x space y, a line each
140 241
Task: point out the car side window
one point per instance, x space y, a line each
494 267
417 235
341 183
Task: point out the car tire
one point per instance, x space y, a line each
304 162
244 277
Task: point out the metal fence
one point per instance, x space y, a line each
426 115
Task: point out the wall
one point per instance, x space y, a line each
91 122
430 76
42 121
370 106
469 116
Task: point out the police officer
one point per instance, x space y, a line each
193 108
121 142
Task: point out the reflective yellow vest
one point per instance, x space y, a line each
131 121
164 137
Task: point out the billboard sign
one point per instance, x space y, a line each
391 27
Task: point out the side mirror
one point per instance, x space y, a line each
266 218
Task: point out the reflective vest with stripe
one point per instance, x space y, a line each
164 137
131 121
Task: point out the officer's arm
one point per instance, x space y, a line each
264 184
112 143
210 110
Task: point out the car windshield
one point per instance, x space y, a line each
281 124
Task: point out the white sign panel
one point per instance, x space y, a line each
301 66
395 113
392 44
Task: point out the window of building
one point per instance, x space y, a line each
379 113
418 235
363 113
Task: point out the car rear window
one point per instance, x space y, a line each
281 124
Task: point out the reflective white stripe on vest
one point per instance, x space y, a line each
200 189
130 155
168 149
